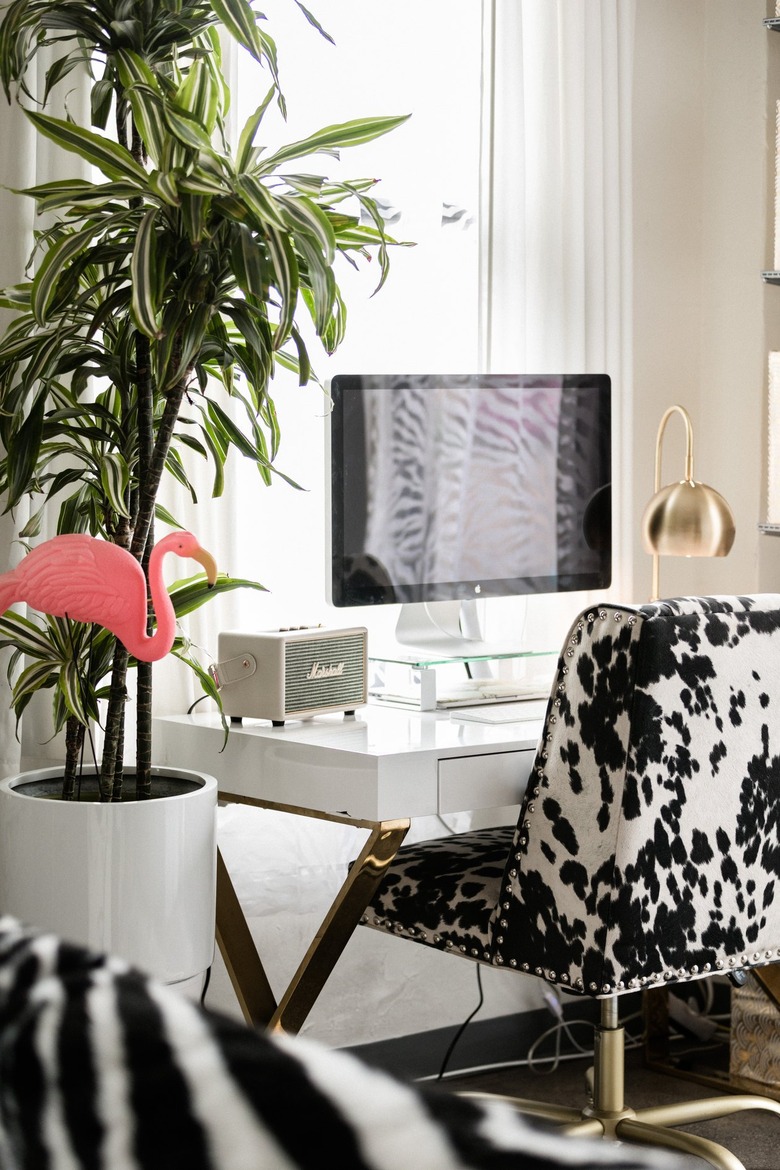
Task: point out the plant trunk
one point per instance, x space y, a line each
143 746
145 394
112 765
74 746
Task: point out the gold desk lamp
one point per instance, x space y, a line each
685 519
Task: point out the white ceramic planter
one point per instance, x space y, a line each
136 879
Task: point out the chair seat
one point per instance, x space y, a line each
444 892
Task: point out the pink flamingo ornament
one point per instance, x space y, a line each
91 580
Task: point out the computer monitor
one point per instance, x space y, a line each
466 486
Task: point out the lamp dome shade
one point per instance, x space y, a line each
688 519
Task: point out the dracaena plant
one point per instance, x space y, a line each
161 298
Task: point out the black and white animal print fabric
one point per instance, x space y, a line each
102 1068
648 843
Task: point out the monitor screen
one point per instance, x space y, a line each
453 487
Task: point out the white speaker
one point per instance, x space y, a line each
291 673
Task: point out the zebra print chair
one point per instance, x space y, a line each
102 1068
647 849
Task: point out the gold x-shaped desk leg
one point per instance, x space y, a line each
239 952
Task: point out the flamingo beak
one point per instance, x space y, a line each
209 564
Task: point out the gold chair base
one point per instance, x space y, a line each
608 1116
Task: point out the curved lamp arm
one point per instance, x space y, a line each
688 443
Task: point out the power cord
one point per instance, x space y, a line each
561 1028
462 1028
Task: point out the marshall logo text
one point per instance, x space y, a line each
332 670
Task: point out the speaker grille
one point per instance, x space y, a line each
324 672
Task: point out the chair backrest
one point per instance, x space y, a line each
648 844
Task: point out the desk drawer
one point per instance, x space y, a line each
483 781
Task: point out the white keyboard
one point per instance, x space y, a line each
476 691
527 709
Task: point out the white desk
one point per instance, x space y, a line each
378 771
385 764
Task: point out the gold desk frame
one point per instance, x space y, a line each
244 965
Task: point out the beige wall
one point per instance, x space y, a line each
700 244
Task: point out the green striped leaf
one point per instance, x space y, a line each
146 101
142 275
17 630
72 688
91 197
247 262
254 328
218 454
261 202
241 22
15 298
198 182
190 593
199 95
244 153
314 22
194 213
174 313
302 214
22 458
186 128
321 282
331 138
163 185
115 480
175 467
286 269
230 432
70 188
42 360
190 341
30 681
110 157
161 513
52 266
302 365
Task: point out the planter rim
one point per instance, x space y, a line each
201 780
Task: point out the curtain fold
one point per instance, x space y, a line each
555 270
19 168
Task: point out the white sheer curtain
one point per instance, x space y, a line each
556 204
18 165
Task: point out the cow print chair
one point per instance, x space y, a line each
647 851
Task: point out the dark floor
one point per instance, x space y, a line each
754 1137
